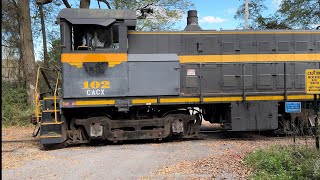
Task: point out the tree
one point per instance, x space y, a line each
40 3
273 22
300 13
27 51
256 7
55 52
10 35
166 12
292 14
257 20
20 27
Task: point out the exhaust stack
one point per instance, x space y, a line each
192 21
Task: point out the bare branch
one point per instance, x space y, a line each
106 2
43 1
150 4
7 46
66 3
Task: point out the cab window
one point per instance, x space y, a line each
94 37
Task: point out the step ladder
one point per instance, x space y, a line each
47 112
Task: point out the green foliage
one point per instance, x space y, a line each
55 52
257 20
256 7
293 162
15 109
273 22
50 11
300 13
292 14
10 32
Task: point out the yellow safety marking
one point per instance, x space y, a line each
57 136
221 99
179 100
51 123
49 98
249 58
38 102
55 98
144 101
197 100
226 32
97 102
51 111
236 98
264 98
77 64
76 59
303 97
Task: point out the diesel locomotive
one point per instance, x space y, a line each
119 84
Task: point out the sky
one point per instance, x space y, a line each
212 14
219 14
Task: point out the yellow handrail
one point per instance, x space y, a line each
55 98
37 97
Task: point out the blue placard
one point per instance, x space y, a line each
293 107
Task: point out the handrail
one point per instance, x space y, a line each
37 97
55 98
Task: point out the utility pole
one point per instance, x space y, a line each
246 14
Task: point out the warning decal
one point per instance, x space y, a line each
313 81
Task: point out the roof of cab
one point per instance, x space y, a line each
69 13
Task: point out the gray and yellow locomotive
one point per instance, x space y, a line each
121 84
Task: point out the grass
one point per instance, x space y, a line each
15 109
290 162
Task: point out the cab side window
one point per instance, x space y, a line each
94 37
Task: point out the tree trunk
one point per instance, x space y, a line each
319 9
27 51
44 38
84 4
43 1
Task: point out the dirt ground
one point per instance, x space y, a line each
218 156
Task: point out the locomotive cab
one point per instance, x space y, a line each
92 43
95 31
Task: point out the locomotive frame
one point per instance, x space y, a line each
120 84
